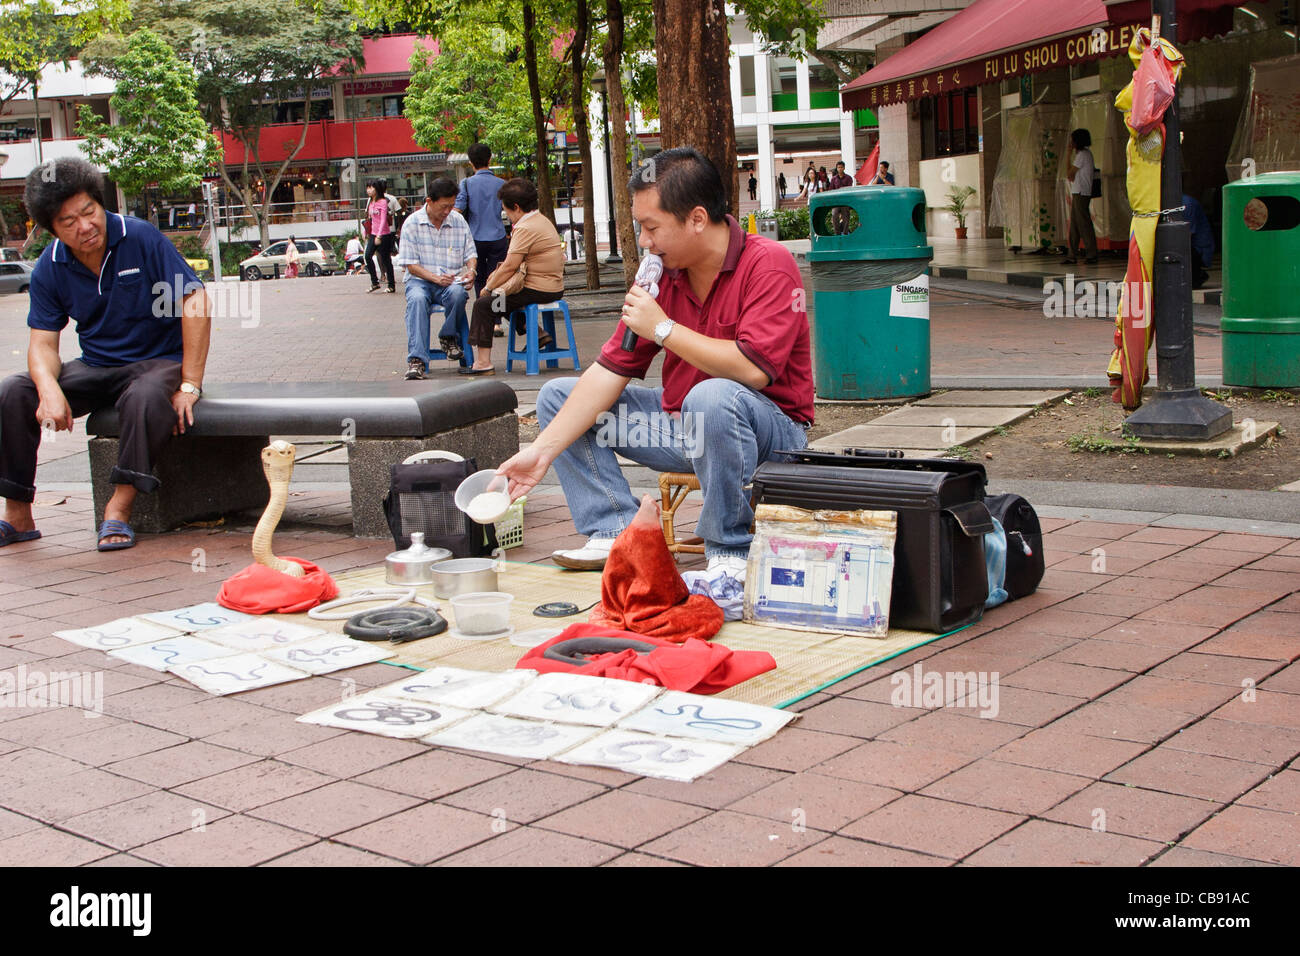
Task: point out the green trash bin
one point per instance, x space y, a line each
1261 273
871 293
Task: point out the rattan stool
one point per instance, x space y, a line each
674 486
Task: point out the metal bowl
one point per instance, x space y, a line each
413 565
464 575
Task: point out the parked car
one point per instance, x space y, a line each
15 276
315 258
10 254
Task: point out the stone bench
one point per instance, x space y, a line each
215 468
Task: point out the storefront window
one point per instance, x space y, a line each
950 124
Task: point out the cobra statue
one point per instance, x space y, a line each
277 465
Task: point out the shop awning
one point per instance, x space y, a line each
987 42
1197 19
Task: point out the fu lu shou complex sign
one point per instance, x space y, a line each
1081 47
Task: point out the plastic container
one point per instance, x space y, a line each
482 613
510 527
480 483
463 576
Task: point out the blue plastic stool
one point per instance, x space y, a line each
462 333
531 354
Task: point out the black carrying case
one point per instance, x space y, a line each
940 581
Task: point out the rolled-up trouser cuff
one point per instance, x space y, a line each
16 492
142 482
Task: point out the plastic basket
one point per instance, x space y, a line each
510 529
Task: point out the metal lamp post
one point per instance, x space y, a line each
599 82
1177 410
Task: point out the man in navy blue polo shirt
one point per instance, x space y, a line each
142 322
477 200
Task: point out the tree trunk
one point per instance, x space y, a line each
618 148
544 200
581 121
694 68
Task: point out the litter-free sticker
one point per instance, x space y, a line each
911 299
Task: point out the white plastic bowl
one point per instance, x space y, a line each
479 483
482 612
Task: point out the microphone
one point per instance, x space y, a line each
647 277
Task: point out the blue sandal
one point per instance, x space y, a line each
113 527
11 535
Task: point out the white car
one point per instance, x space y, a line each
15 276
315 258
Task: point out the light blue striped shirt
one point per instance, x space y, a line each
477 198
443 249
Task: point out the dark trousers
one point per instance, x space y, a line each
384 247
142 393
485 316
1081 226
490 255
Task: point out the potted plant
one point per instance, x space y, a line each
958 196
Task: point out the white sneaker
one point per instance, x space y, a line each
590 557
730 564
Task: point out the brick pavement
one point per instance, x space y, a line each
1148 714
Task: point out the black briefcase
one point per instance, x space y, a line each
940 581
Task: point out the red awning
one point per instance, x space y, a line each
1197 19
968 48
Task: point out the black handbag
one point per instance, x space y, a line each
421 497
1025 562
940 581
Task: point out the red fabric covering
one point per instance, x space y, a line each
868 170
696 666
641 590
260 590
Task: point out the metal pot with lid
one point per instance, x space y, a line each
415 564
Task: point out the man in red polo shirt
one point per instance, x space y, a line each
737 373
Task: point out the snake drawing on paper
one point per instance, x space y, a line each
656 750
721 723
306 654
578 701
254 673
277 465
399 715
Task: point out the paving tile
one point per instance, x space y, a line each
115 742
1276 562
1101 718
55 722
1190 608
232 841
641 859
60 797
1181 856
1286 681
854 718
47 847
1115 655
727 838
1043 843
180 764
1073 680
270 738
1180 536
622 818
145 703
1280 583
954 730
1279 792
1177 694
1272 746
425 833
1068 752
1122 605
12 824
1268 708
1215 668
932 826
326 811
1006 786
894 765
120 860
1250 833
351 754
1190 774
254 785
795 749
817 801
143 819
717 789
1132 586
1186 566
1254 543
1133 811
1030 708
21 767
326 853
212 715
531 846
841 851
1071 582
1264 635
435 773
605 776
523 796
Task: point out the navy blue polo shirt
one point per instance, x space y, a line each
123 315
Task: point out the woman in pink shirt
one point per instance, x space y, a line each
381 236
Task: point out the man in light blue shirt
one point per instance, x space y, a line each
440 260
477 200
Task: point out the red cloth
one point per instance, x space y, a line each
757 302
641 590
698 667
868 170
261 590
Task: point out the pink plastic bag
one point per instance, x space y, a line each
1153 90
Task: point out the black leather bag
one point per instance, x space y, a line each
940 581
1025 562
421 497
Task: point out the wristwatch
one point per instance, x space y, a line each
663 329
189 389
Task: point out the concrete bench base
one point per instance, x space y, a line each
206 477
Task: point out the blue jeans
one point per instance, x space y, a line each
421 296
724 432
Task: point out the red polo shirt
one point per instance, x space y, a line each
757 301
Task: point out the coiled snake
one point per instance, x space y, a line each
277 465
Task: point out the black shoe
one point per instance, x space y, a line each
414 370
499 332
1090 262
471 370
374 288
450 346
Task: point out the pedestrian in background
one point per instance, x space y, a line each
477 199
1081 171
380 241
291 260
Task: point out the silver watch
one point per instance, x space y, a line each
663 329
189 389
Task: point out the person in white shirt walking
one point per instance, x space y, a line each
1082 170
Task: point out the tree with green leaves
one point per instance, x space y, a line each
160 138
